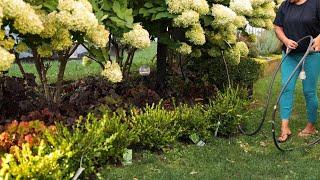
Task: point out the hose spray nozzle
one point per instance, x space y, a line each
302 75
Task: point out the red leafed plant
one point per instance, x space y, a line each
17 133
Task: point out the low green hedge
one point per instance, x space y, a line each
92 143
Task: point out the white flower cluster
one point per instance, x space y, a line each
55 27
243 48
7 43
78 16
196 35
112 72
223 15
186 19
24 16
241 7
263 13
99 36
200 6
61 40
189 12
6 59
227 21
223 36
137 37
179 6
234 54
256 3
184 49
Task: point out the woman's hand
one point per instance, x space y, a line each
291 44
316 43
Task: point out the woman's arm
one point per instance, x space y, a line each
283 38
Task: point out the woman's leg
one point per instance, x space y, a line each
312 69
287 97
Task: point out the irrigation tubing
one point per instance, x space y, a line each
273 126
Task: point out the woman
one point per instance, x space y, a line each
296 19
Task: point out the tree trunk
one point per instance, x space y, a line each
162 53
18 61
63 63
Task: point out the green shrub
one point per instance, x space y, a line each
247 72
126 134
155 126
89 141
226 112
268 43
41 162
61 153
192 121
213 71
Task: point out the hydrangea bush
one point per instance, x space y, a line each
50 28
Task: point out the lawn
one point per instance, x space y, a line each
239 157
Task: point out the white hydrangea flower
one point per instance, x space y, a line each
76 16
256 3
240 21
70 5
226 35
178 6
233 55
200 6
7 43
112 72
50 23
137 37
257 22
222 15
241 7
196 35
186 19
243 48
266 11
99 36
62 40
6 60
184 49
24 16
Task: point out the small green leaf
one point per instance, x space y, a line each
148 5
160 15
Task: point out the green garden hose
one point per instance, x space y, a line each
301 63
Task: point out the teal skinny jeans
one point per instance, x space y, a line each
312 69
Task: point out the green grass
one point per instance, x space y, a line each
75 70
239 157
